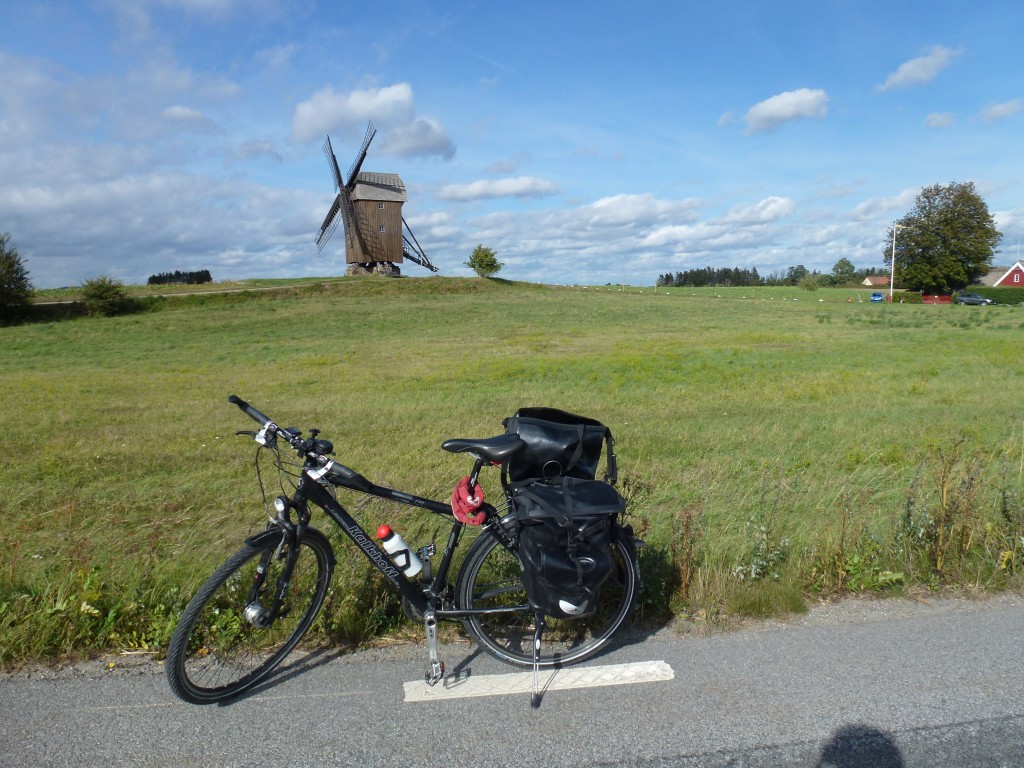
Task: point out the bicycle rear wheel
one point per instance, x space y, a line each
220 648
491 578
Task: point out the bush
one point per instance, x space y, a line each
908 297
1011 296
105 297
484 262
810 282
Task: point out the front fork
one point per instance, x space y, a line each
288 548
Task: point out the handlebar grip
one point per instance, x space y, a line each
249 411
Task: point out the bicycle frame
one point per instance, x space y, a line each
422 600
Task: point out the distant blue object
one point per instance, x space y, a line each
876 296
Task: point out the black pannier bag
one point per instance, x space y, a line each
567 517
558 444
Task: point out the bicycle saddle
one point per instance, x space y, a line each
495 449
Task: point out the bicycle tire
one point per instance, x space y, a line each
215 653
490 577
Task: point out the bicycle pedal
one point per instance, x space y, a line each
435 674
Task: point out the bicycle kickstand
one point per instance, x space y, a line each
436 670
541 624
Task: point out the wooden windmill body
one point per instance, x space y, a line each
369 207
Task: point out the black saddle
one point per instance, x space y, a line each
495 449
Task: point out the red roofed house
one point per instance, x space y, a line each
876 282
1011 278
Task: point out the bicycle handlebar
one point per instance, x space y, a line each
337 474
249 411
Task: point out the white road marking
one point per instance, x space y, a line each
551 680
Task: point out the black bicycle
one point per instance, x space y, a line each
256 607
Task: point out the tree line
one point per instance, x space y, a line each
735 277
177 277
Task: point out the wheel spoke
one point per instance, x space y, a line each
221 647
490 578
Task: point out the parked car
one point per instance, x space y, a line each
972 298
876 296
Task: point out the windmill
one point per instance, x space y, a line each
369 208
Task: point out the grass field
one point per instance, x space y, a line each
775 444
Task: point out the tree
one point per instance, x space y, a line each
105 296
795 274
946 242
843 272
810 282
15 287
484 262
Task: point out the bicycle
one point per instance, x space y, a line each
257 606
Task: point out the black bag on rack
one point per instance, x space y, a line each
567 517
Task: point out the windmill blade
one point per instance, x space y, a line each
411 248
330 224
332 161
348 213
371 131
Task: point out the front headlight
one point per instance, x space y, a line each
281 505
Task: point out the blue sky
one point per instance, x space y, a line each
585 143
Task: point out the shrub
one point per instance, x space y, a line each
1011 296
484 261
104 296
810 282
908 297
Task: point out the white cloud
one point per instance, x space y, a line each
939 120
256 148
184 114
1011 224
885 207
520 186
769 209
995 112
189 119
921 70
637 210
328 109
422 136
786 107
392 109
742 226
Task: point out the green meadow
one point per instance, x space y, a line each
776 445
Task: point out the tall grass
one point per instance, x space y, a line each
772 447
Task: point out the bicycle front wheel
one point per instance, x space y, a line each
223 644
491 578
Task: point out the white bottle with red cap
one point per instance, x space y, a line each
400 552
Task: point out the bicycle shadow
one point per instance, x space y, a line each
860 746
287 671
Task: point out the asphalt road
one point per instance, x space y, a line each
861 683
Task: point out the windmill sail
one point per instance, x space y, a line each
353 171
332 161
341 210
330 224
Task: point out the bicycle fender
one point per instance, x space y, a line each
260 540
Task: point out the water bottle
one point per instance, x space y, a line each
400 552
